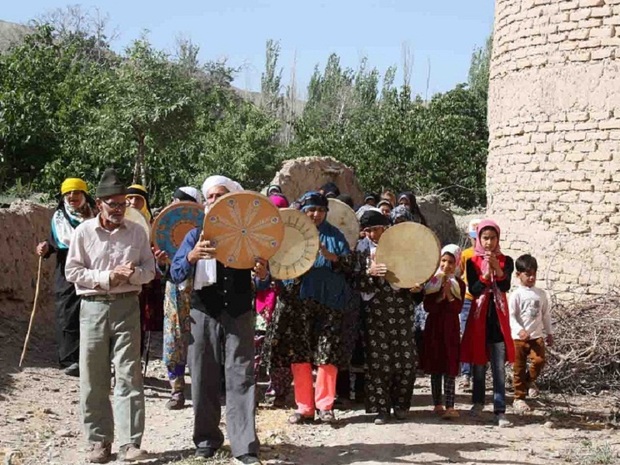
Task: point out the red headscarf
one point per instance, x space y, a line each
478 249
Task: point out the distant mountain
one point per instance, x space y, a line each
11 33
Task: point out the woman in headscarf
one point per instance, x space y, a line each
391 355
138 198
74 207
187 194
400 214
408 200
307 324
152 295
386 207
273 189
443 300
177 321
487 334
266 296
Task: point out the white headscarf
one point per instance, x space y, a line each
364 208
217 180
435 283
206 270
192 192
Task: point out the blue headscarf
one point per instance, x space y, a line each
321 282
313 199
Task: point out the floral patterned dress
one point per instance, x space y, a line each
177 327
302 331
391 355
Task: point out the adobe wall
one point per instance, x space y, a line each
554 122
22 226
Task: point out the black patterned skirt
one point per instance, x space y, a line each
303 332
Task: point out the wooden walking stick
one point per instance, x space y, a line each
34 309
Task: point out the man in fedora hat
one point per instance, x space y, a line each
109 260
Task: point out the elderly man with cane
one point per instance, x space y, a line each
109 260
221 307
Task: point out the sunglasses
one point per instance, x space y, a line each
116 205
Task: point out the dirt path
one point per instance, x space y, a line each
39 424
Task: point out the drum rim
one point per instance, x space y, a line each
289 211
353 241
168 209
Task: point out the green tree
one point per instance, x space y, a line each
478 76
48 85
271 100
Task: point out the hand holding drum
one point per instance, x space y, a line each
377 269
411 253
201 251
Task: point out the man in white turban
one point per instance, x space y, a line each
216 186
221 311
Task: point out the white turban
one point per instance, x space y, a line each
214 181
206 270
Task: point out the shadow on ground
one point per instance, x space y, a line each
390 453
40 354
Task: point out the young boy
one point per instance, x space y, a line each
530 322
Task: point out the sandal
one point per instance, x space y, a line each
327 416
450 414
298 419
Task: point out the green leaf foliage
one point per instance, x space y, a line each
71 107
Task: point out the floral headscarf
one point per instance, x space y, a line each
400 211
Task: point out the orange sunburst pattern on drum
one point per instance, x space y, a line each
243 226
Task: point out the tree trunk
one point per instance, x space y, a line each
139 175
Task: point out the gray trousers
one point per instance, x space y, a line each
204 358
110 332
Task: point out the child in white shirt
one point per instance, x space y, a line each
530 325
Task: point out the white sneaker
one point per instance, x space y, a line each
502 421
533 391
465 383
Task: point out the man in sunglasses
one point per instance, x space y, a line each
109 260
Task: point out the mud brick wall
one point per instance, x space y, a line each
553 179
22 226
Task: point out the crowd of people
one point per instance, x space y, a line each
341 332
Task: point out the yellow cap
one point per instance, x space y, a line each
73 184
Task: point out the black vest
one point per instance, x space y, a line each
232 293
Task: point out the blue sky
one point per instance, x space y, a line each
442 32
